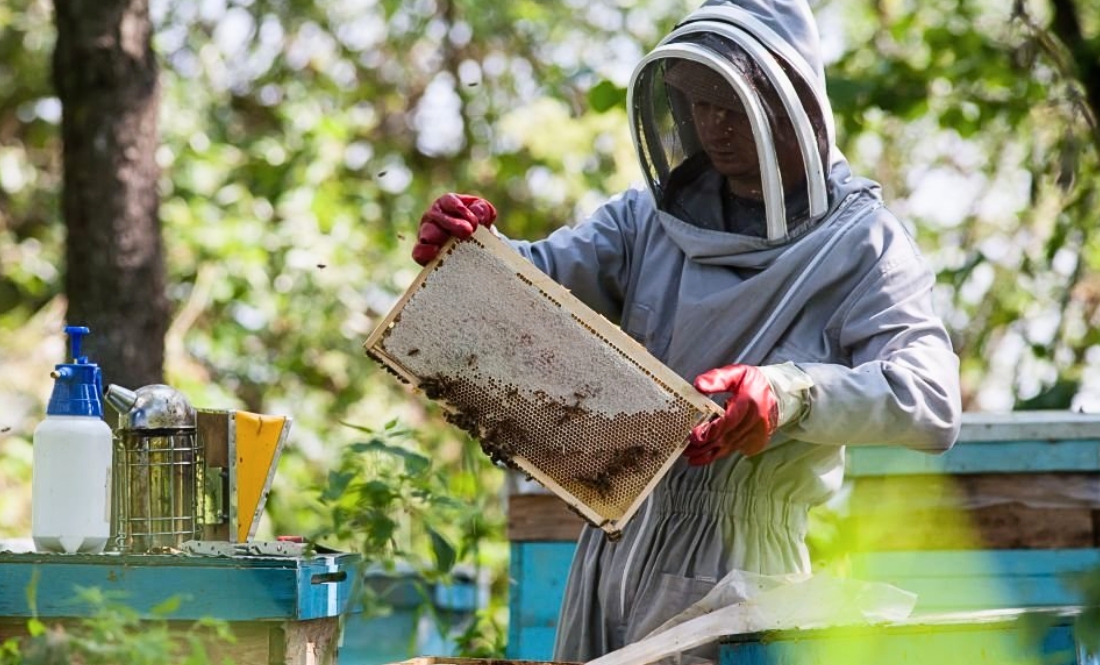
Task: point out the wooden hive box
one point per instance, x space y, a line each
1023 480
1003 519
546 385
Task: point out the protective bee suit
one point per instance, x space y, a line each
759 248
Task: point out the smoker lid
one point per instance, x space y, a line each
155 406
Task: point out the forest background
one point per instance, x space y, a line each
293 144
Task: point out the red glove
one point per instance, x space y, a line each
455 215
752 414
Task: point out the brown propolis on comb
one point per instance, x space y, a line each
545 384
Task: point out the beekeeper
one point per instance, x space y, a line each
757 265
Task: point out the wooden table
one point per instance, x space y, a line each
283 610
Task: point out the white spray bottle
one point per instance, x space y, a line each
71 472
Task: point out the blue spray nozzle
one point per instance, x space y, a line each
76 336
77 384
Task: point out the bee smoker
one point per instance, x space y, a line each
157 469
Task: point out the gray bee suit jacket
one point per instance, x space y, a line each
848 301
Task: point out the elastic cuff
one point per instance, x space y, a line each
789 384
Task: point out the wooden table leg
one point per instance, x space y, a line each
311 642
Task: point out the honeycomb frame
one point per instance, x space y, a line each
546 385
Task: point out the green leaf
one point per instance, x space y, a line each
605 96
442 551
416 465
380 529
35 627
168 606
374 445
379 491
361 428
337 485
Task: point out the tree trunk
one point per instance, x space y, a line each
105 73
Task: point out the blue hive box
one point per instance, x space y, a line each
1002 521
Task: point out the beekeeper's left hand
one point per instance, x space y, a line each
762 399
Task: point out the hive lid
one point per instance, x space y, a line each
546 385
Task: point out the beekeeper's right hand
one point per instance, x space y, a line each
456 215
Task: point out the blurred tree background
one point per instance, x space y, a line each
299 141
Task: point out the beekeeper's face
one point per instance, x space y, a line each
701 100
726 136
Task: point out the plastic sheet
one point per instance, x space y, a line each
745 602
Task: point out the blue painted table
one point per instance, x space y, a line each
282 609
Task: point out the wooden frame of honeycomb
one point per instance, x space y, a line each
545 384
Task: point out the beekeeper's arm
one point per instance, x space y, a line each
902 387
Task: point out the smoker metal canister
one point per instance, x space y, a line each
157 469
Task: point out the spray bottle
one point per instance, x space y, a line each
71 472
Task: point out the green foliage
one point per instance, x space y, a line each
830 540
29 167
396 506
113 634
477 642
1087 624
964 112
390 502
